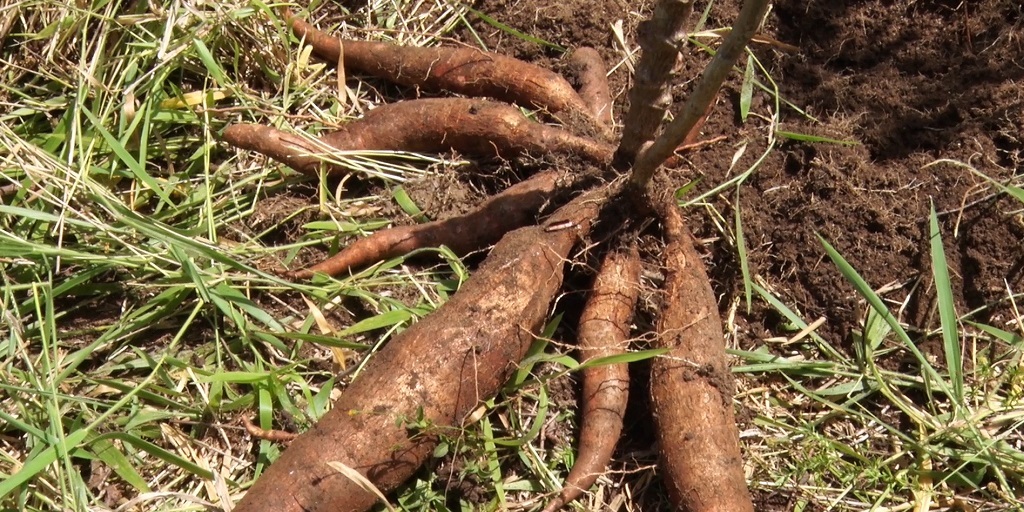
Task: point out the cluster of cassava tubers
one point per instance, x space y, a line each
440 368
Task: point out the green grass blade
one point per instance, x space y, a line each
106 451
947 310
381 321
211 64
40 462
803 137
628 357
741 252
525 37
747 89
158 452
127 159
876 303
408 205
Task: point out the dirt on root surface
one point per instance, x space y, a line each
923 90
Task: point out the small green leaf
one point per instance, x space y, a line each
682 191
747 90
803 137
210 62
380 321
407 205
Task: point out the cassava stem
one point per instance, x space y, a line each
696 106
661 37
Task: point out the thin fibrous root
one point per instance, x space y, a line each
603 332
514 207
472 127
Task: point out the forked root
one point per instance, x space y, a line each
692 388
603 332
472 127
515 207
428 379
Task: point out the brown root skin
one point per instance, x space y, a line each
593 88
427 379
515 207
692 388
603 332
465 71
472 127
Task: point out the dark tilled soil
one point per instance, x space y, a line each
911 85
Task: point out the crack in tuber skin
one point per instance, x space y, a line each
467 71
514 207
692 388
603 332
433 375
470 126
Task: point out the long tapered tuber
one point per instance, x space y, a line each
692 388
466 71
513 208
426 380
603 332
470 126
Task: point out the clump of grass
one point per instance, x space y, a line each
141 316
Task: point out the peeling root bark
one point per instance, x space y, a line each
432 375
515 207
470 126
465 71
692 388
603 332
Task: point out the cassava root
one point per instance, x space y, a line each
467 71
470 126
594 88
515 207
426 380
692 388
603 332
